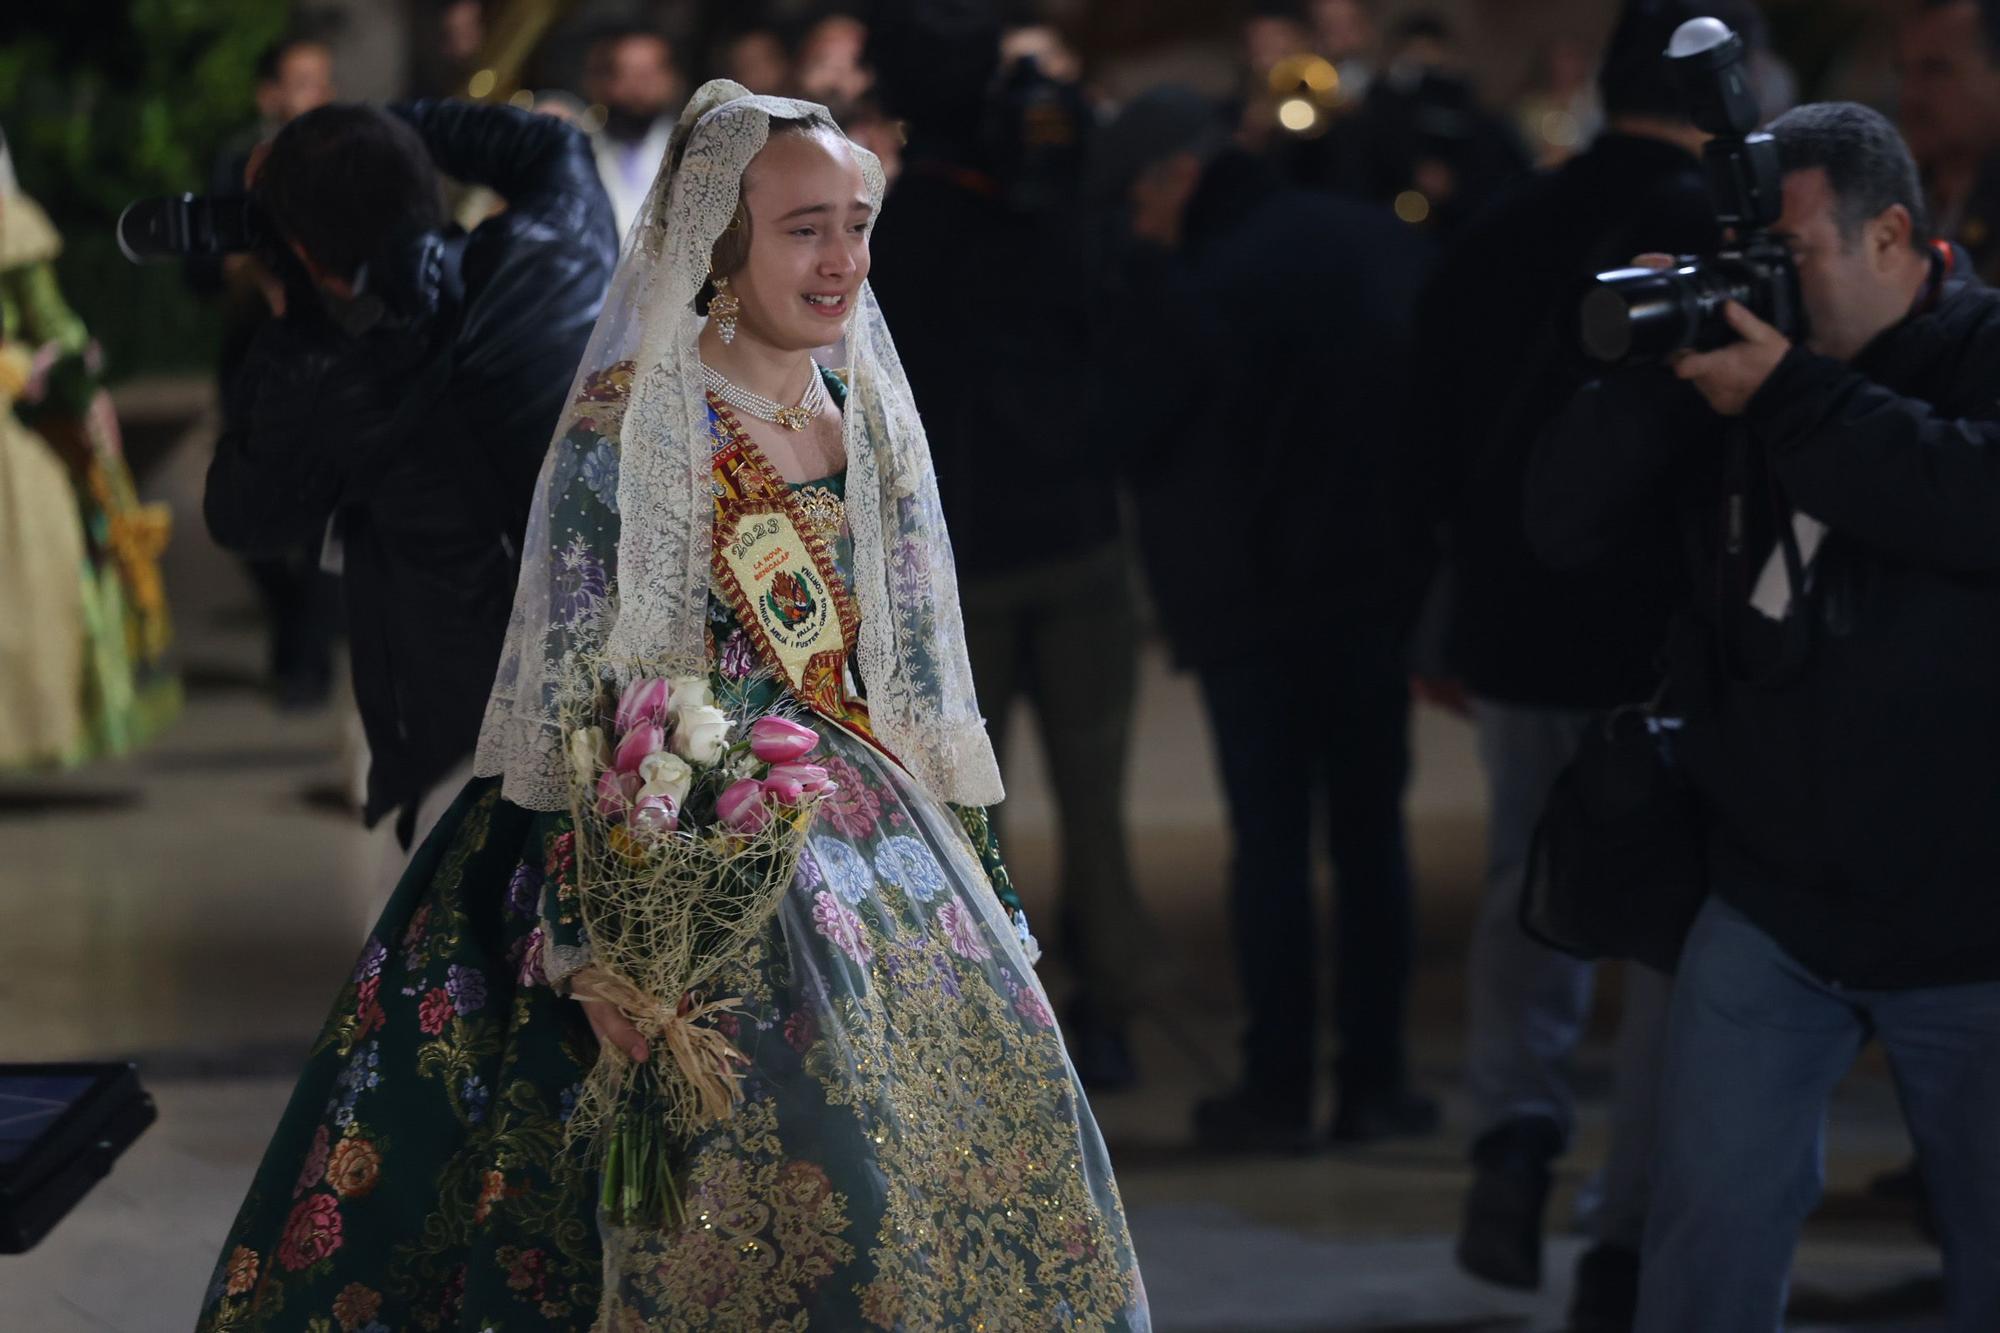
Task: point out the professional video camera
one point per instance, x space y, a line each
1642 314
190 226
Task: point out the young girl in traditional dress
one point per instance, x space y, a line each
905 1146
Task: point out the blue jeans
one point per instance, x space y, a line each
1527 1005
1755 1045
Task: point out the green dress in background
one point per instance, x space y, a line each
913 1151
83 617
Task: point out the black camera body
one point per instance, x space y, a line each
1635 315
191 226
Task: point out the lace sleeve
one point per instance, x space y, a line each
566 596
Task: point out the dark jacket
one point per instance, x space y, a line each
991 313
1495 364
421 439
1257 378
1848 757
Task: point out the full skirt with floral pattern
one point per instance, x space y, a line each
912 1152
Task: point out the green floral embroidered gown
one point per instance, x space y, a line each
913 1151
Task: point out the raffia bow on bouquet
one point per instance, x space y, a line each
689 828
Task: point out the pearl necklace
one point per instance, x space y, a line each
764 409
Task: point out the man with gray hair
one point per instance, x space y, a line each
1836 680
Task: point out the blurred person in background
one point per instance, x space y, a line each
995 161
834 69
1948 68
1272 34
301 601
830 68
1046 46
405 400
1344 33
757 59
451 35
1252 386
83 614
1421 138
630 72
1560 112
1541 653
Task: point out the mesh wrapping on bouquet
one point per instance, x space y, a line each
663 914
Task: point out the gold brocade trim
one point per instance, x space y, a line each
986 1207
601 400
825 513
989 1216
765 1231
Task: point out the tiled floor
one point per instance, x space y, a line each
197 904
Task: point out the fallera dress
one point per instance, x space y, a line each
83 616
912 1152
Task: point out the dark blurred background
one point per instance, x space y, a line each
104 103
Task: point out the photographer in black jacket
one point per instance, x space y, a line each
1540 653
402 406
1841 730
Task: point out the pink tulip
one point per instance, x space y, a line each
741 806
615 792
640 743
654 814
777 741
784 790
812 780
644 700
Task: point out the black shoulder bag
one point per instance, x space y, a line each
1618 867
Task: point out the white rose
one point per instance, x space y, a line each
589 754
665 775
702 733
689 691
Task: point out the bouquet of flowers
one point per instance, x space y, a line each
689 827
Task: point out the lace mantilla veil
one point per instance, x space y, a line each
646 601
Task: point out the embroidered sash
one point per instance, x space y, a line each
776 571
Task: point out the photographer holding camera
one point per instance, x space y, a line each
1538 654
403 405
1839 491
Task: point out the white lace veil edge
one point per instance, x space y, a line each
642 597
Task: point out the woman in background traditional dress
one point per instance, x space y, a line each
83 616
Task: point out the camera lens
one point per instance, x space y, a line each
1636 314
146 229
